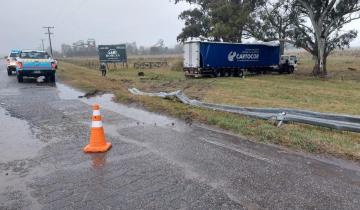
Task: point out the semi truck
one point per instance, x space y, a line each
222 59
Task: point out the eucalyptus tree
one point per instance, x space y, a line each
220 20
316 26
272 21
230 17
319 27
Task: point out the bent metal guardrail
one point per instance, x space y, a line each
329 120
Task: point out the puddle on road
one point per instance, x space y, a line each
140 115
106 102
16 141
68 93
9 92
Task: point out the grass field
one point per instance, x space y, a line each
339 93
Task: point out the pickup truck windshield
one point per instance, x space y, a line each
14 55
34 55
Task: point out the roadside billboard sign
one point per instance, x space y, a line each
112 53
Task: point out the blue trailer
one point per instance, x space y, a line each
231 59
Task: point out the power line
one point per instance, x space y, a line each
49 33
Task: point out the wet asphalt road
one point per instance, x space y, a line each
152 165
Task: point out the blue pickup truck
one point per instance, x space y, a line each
35 63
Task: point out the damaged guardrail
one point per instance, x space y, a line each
329 120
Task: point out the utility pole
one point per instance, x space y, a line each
49 33
42 44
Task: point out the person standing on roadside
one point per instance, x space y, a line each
103 69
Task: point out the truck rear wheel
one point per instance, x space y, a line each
291 70
227 73
241 73
52 78
235 73
217 73
222 73
238 73
20 78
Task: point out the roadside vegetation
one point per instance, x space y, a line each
339 92
315 26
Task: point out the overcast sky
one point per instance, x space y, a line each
107 21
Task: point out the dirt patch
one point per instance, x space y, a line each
93 93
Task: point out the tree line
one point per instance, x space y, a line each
86 49
315 26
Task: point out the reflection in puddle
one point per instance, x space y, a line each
16 144
68 93
98 163
106 102
140 115
9 92
98 160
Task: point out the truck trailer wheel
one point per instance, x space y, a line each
227 73
217 73
20 78
235 73
240 73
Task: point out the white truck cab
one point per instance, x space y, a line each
291 59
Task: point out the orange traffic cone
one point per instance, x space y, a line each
97 137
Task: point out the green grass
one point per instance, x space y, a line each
339 93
